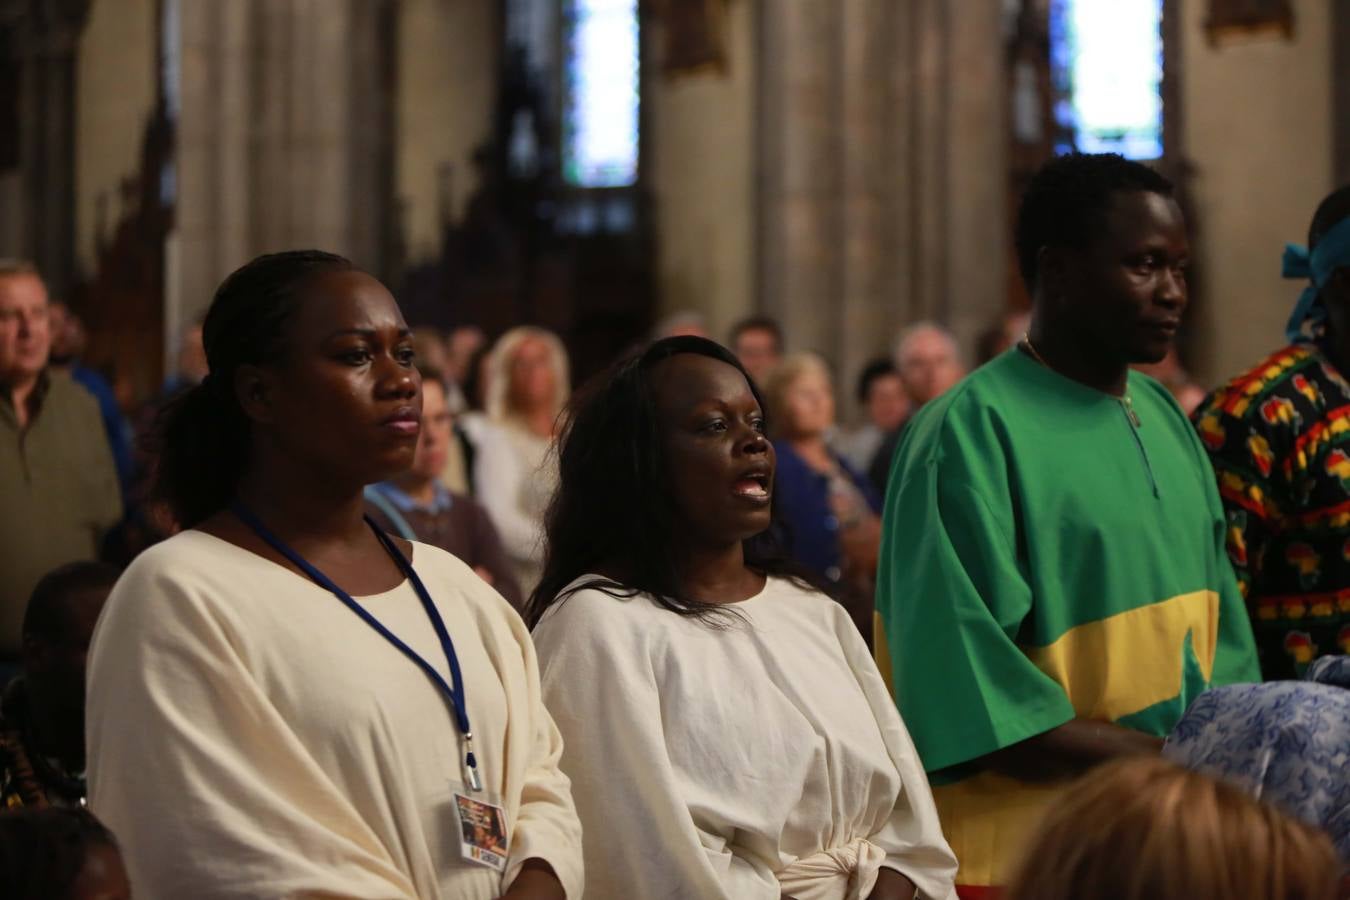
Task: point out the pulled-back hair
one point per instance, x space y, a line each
203 435
1146 829
1066 201
614 502
43 850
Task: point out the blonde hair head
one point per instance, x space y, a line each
781 380
499 370
1145 829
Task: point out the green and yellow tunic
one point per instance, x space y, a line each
1049 552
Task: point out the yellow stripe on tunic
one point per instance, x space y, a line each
987 816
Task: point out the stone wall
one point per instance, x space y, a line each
701 174
115 97
447 74
1258 121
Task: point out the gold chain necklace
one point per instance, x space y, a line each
1126 401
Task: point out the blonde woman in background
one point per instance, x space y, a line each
829 512
528 386
1145 829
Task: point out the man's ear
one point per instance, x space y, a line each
1054 272
255 389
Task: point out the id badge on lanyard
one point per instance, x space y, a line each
455 693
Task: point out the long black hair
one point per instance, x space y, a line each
201 444
614 503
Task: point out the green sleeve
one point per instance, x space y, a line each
952 597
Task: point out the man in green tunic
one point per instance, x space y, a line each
1054 588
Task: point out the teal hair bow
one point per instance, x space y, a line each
1332 253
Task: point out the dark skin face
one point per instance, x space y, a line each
1117 301
54 673
341 410
721 469
349 369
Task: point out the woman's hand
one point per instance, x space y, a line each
891 885
536 881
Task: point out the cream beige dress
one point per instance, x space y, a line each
250 737
742 763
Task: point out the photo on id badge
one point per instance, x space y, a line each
482 832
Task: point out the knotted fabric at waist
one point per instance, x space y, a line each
840 873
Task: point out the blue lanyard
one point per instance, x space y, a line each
456 693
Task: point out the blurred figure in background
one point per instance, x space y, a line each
684 323
1145 829
59 854
419 507
1001 336
528 386
58 485
69 340
758 344
191 363
1177 380
881 394
829 511
429 344
462 346
929 362
42 711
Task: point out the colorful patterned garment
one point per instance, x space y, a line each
1279 439
27 779
1286 742
1045 558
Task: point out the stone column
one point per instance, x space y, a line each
284 137
882 168
45 38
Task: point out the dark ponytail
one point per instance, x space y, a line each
202 441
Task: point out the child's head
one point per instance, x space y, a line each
1145 829
59 854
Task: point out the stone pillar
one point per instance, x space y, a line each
284 137
882 169
45 38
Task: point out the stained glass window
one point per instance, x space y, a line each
600 93
1106 62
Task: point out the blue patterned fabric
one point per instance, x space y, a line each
1286 742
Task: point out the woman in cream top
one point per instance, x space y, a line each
725 729
250 735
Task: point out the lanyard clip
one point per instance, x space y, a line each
471 763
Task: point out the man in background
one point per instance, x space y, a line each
69 339
58 486
881 394
929 362
758 344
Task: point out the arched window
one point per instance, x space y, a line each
1107 77
600 93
